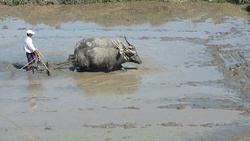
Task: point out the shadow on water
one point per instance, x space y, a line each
34 89
115 83
17 65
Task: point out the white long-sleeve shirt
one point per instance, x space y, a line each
28 45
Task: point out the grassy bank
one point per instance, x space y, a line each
66 2
49 2
123 13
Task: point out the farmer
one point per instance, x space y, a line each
31 51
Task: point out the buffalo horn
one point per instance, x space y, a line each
127 41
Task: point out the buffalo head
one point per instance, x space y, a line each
128 51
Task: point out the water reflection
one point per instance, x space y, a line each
115 83
34 89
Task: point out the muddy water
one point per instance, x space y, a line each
178 93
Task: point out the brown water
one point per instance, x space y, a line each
178 93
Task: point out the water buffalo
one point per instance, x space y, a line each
102 54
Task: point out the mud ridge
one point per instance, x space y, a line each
235 65
112 125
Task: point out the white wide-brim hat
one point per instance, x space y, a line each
30 32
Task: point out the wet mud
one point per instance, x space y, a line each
192 85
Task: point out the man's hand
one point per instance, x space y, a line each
37 53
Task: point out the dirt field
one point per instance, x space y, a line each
192 85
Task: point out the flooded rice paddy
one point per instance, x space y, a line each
183 90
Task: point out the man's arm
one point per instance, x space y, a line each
32 47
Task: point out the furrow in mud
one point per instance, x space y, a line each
234 63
